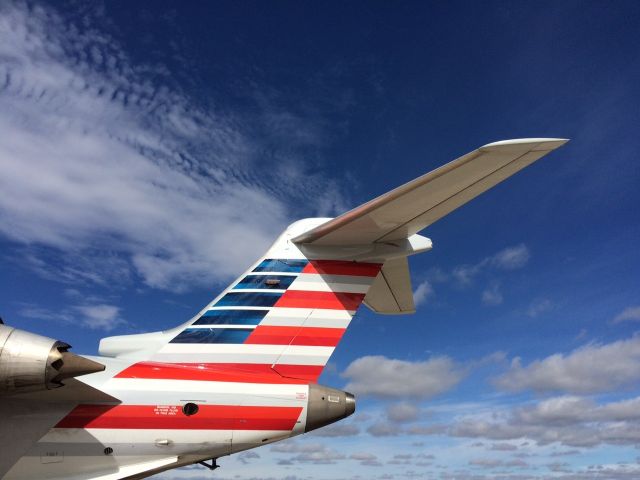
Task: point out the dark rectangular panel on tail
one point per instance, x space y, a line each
266 282
213 335
249 299
281 265
231 317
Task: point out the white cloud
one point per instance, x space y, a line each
628 314
385 377
495 463
384 429
422 293
245 457
403 412
511 258
95 316
492 295
538 307
464 274
572 409
315 453
503 447
340 429
100 317
568 420
99 161
366 459
589 369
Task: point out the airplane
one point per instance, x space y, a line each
243 371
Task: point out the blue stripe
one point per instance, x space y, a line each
266 281
249 299
281 265
213 335
234 317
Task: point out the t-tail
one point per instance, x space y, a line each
284 316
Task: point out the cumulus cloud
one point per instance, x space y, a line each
402 412
366 459
384 429
98 160
569 420
588 369
246 457
503 447
629 314
337 430
315 453
422 293
494 463
390 378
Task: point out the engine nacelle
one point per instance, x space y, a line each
30 362
327 405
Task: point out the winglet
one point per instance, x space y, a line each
544 144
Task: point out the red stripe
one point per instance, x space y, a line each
340 267
325 300
223 372
307 372
317 336
209 417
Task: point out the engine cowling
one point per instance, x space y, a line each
327 405
31 362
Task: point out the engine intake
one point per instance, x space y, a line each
327 405
30 362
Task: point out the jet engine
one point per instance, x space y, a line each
327 405
30 362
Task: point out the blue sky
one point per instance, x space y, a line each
150 152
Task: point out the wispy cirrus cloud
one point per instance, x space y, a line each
509 258
387 378
492 295
629 314
93 315
99 161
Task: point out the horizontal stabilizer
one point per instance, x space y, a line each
413 206
391 291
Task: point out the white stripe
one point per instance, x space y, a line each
332 283
257 290
206 387
294 317
140 436
143 397
239 357
266 274
243 349
238 308
222 325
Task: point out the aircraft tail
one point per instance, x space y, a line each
288 312
284 316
